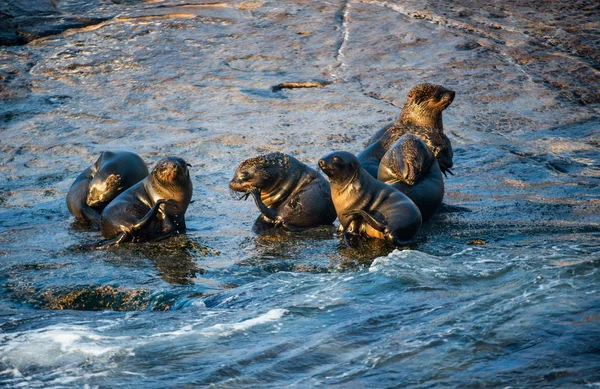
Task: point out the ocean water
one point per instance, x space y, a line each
501 289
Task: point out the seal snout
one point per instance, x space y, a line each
448 97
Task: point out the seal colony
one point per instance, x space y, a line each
384 192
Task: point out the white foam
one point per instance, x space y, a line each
395 256
54 345
229 329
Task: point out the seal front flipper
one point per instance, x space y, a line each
148 217
267 212
91 216
122 237
446 170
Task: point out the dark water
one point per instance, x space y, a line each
502 289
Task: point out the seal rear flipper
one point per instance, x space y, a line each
369 219
396 241
122 237
352 241
91 216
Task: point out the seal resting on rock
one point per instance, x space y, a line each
286 191
153 209
421 115
410 166
104 180
366 206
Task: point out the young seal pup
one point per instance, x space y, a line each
410 166
286 191
153 209
101 182
421 115
366 206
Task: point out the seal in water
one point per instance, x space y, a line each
286 191
366 206
97 185
410 166
421 116
151 210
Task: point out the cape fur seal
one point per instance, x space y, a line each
366 206
421 115
286 191
153 209
100 183
410 166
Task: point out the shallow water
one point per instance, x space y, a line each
501 289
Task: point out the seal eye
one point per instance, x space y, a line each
337 160
244 176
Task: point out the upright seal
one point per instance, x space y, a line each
101 182
410 166
286 191
153 209
421 115
366 206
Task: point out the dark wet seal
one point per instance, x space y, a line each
300 84
410 166
286 191
151 210
421 115
367 206
99 184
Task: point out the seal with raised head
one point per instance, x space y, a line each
367 206
421 115
410 166
153 209
101 182
286 191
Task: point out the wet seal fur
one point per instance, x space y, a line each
100 183
286 191
366 206
151 210
421 115
410 166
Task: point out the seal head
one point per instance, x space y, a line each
340 166
424 105
263 172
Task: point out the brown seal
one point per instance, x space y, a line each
367 206
410 166
286 191
100 183
422 116
153 209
